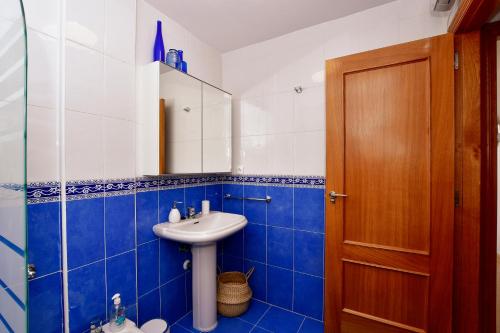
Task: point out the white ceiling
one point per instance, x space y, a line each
231 24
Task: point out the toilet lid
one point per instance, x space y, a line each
154 326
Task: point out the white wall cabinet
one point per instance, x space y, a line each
183 125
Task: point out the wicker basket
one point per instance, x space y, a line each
233 293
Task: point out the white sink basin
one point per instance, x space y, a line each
205 229
203 233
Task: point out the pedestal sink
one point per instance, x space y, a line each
203 233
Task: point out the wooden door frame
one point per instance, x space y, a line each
490 33
474 301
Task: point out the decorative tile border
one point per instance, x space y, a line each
43 192
76 190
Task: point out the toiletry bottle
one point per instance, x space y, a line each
174 216
117 320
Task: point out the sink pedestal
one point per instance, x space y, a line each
204 286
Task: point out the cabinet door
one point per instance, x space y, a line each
183 122
216 130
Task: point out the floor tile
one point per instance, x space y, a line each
257 329
232 325
178 329
281 321
311 326
255 312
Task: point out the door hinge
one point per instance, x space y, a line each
457 199
455 60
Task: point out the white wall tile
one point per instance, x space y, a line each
280 154
119 148
309 109
254 152
309 157
84 79
119 89
43 70
253 112
43 16
84 146
279 117
119 36
42 145
85 22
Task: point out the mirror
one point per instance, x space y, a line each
192 133
216 130
182 99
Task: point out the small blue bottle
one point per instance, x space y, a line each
182 65
159 48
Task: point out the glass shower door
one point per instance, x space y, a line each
13 60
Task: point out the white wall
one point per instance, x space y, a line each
277 131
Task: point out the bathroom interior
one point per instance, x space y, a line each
249 166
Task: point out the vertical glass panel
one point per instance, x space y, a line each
13 294
216 130
183 132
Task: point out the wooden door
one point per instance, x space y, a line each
390 149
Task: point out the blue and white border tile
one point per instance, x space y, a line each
87 189
84 189
114 187
43 192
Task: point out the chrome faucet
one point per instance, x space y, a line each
191 213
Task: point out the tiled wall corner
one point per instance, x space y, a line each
283 242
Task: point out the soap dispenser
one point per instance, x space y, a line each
117 321
174 216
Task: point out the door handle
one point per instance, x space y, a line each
334 195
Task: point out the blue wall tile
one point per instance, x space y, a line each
171 260
255 211
305 286
166 202
233 205
119 216
45 312
131 312
214 195
194 196
255 242
189 290
121 273
87 299
232 264
44 240
233 245
309 252
173 300
258 280
147 267
85 230
279 287
147 215
280 247
280 209
149 306
309 209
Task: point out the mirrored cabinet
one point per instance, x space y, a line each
184 123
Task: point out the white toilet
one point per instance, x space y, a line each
152 326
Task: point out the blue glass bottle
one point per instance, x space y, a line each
182 65
159 48
179 62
